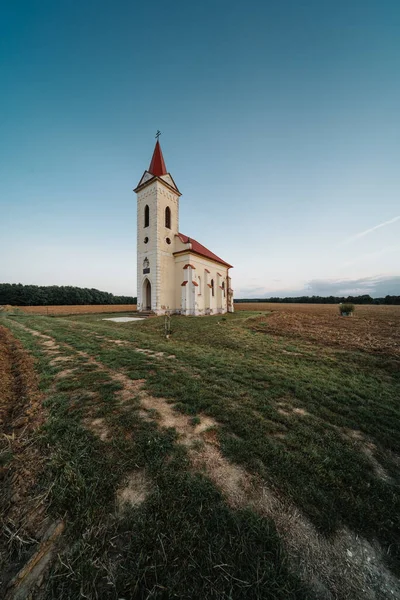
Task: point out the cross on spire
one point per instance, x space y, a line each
158 134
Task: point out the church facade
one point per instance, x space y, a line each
175 273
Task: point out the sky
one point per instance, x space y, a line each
280 125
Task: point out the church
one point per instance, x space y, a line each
175 273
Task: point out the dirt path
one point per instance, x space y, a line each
345 567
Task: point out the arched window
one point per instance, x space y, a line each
223 288
168 217
146 216
212 287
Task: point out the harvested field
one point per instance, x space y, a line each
361 309
74 309
371 328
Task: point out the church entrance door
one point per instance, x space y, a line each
147 294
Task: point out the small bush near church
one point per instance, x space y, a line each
346 309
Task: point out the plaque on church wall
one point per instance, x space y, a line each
146 266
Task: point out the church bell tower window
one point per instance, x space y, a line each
168 217
146 216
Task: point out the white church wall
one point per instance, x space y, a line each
207 270
179 246
218 292
206 294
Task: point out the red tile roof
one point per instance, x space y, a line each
198 248
157 165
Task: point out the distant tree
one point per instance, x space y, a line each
363 299
17 294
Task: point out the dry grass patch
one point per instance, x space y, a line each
287 409
66 373
59 359
99 428
134 490
118 342
368 448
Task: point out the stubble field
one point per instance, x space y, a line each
254 456
74 309
371 328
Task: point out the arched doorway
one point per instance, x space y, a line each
146 295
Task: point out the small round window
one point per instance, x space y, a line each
168 240
146 239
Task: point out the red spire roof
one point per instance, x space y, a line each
157 165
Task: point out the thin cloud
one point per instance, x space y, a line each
371 255
376 286
370 230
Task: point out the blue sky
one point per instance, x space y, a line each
280 125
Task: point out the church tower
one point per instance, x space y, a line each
157 226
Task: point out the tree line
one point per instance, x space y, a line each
18 294
364 299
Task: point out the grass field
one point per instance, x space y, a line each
249 456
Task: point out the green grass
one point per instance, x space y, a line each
248 381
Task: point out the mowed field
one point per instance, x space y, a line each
253 455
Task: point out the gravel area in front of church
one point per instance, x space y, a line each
123 319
